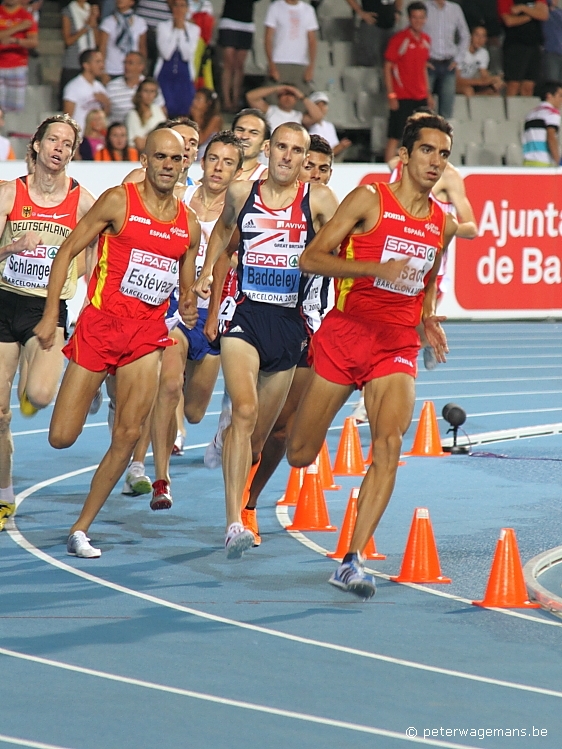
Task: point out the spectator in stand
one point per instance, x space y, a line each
483 13
79 33
324 128
18 35
116 147
201 13
406 75
122 90
93 139
175 71
450 38
284 110
6 150
542 125
153 12
205 111
378 19
146 114
290 42
522 45
236 33
121 33
85 92
473 77
552 32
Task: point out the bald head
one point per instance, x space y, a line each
163 159
163 138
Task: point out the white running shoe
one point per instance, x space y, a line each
97 400
360 412
78 545
429 358
136 481
177 449
213 453
238 540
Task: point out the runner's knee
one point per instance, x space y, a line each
125 437
40 394
244 416
386 450
5 419
60 437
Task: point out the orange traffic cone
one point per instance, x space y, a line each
421 561
246 492
349 458
311 513
370 458
325 469
348 525
506 585
294 484
427 442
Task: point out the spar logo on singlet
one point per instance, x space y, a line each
420 261
149 277
30 269
272 277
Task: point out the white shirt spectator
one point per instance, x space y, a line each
115 57
291 24
121 98
326 130
81 92
136 128
474 62
168 39
276 116
535 143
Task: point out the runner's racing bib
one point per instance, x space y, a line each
150 278
30 269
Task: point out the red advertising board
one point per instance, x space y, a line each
515 263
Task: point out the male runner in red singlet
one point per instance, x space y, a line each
145 234
264 340
37 212
392 238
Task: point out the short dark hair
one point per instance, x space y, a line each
292 126
416 6
549 87
86 56
318 144
416 123
187 121
41 131
252 112
228 138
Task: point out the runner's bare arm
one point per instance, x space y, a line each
108 212
432 323
87 200
30 239
456 192
211 328
236 196
187 303
323 205
360 209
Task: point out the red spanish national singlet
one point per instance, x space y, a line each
396 235
137 269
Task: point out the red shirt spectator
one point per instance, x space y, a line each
409 52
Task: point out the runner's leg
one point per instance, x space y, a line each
200 380
9 358
44 369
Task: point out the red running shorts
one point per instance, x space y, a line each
349 351
101 342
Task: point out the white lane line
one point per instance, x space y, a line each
500 345
22 541
284 520
511 367
205 697
487 379
503 357
457 396
28 742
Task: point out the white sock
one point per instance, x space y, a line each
7 494
137 464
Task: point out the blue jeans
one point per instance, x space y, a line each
442 82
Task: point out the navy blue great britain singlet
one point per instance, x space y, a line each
271 243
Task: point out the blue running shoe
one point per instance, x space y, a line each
351 577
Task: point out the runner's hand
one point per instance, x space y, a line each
436 337
211 327
188 312
27 241
391 269
45 331
202 287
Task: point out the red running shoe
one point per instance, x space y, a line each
161 497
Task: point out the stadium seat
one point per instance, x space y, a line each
501 133
378 135
461 108
341 55
514 155
519 106
479 155
486 107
